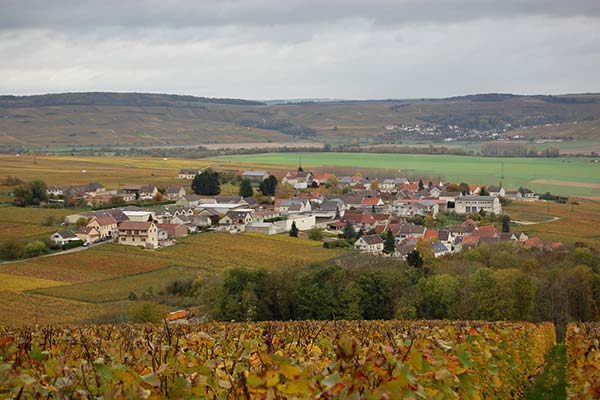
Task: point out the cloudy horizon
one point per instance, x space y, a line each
267 49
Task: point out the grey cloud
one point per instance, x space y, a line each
291 48
77 14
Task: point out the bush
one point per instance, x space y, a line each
315 234
12 249
146 312
34 248
72 245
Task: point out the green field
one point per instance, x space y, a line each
479 170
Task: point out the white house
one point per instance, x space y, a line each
175 192
187 173
373 244
474 204
64 237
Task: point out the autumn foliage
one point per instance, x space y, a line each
583 360
328 359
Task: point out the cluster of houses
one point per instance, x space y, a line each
371 207
95 194
451 239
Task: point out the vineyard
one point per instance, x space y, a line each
86 282
324 359
583 361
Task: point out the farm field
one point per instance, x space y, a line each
307 359
28 223
576 223
119 288
480 170
109 272
110 171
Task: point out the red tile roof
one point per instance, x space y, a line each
533 242
106 220
370 201
470 240
135 225
431 234
486 231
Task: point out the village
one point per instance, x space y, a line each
381 217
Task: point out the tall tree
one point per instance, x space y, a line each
505 223
268 186
207 183
294 230
246 188
349 232
390 242
414 259
483 191
421 187
31 193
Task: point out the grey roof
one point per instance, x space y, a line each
67 235
229 199
411 228
449 194
404 249
254 173
332 205
443 235
147 189
372 239
475 198
174 189
237 214
460 228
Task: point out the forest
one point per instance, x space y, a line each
491 282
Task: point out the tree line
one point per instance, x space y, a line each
491 282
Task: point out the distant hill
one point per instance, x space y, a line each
146 119
116 99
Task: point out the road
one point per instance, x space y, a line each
58 253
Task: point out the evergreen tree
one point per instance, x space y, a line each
483 191
246 188
390 242
421 187
430 185
349 231
268 186
505 223
207 183
414 259
294 230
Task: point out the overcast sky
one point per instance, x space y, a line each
270 49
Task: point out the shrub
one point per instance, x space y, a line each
146 312
34 248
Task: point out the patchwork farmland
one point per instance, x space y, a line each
513 172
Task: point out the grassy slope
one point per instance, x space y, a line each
480 170
27 223
576 222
